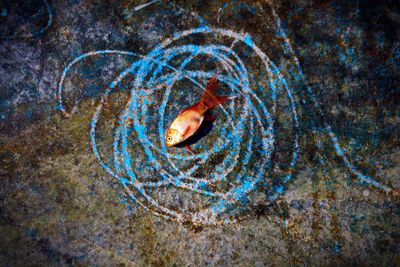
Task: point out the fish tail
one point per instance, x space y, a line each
209 99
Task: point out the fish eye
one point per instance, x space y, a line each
169 138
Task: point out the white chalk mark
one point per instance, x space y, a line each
137 8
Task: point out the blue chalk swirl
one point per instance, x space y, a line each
157 68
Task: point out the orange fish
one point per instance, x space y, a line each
190 118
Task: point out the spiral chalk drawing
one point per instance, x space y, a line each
150 173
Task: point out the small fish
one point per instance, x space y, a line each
190 118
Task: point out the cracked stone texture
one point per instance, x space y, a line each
59 207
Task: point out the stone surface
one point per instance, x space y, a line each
60 207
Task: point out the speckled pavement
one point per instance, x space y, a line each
60 207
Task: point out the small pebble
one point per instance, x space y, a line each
366 193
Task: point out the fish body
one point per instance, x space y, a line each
189 119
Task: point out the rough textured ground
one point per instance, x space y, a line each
59 207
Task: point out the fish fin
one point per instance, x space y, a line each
186 131
189 149
209 99
209 92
